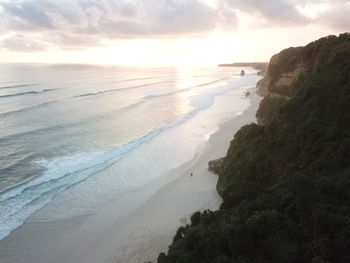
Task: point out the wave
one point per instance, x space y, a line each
24 109
64 172
153 95
200 102
123 89
13 160
26 93
161 93
98 117
67 125
140 78
17 86
105 115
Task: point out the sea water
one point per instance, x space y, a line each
75 137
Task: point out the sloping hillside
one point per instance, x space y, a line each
285 184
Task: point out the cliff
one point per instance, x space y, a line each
277 85
285 184
285 69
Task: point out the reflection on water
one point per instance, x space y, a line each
101 131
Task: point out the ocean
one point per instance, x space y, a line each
75 137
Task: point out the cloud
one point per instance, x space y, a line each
72 41
270 12
27 15
113 17
337 16
18 42
74 24
69 21
150 18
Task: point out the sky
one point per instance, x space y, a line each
162 32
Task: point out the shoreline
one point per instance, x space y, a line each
134 235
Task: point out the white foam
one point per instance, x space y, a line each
64 172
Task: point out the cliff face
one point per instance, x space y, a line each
277 86
314 70
285 69
285 184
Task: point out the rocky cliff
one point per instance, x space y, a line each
277 85
285 184
285 69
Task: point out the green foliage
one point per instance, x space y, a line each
270 107
286 185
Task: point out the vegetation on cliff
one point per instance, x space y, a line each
285 185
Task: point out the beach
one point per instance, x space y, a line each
120 232
204 131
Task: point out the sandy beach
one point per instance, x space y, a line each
117 233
